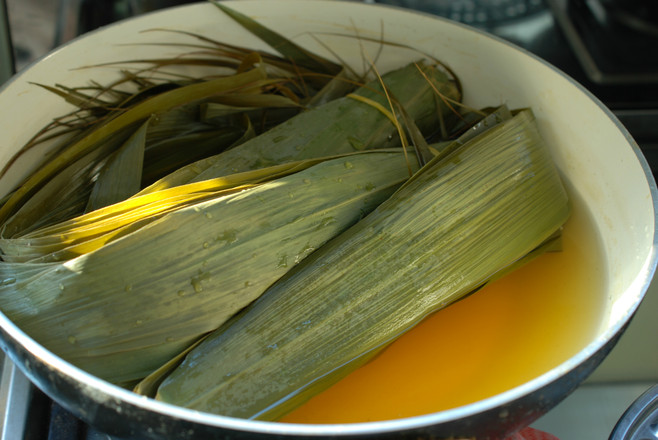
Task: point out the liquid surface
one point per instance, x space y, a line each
508 333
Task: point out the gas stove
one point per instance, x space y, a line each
607 46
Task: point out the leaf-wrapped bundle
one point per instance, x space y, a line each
463 219
124 309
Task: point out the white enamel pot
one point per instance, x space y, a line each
596 155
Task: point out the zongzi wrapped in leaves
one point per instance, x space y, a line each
124 309
459 222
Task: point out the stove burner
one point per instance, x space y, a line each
482 13
612 45
638 15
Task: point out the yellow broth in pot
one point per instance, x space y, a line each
504 335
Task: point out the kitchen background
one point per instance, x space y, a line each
611 47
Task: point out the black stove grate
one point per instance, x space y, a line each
29 414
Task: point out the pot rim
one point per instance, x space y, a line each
102 389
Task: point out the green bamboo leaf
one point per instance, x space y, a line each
149 385
63 196
90 231
342 125
339 86
113 127
178 61
281 44
74 97
121 177
440 150
234 55
168 155
189 171
254 100
179 121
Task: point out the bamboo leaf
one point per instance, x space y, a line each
340 126
88 232
255 100
121 177
339 86
112 127
149 385
168 155
284 46
78 99
62 196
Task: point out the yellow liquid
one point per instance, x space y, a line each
508 333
